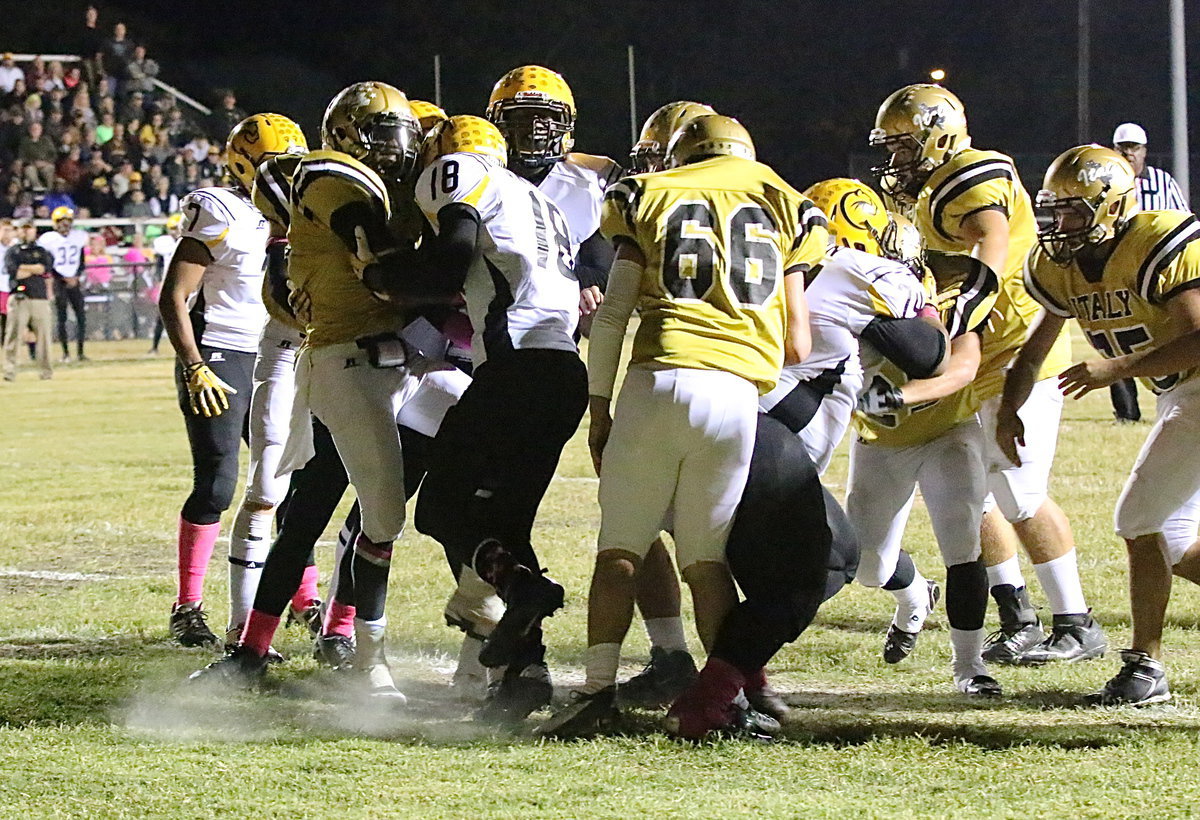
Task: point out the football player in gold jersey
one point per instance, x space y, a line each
712 253
1130 279
348 231
924 432
966 200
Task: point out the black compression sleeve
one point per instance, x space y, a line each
915 346
593 262
457 243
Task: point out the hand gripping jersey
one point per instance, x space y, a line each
852 289
969 182
332 196
228 306
66 250
272 195
1155 255
964 292
521 290
718 236
577 185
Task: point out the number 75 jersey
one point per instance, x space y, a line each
718 236
521 290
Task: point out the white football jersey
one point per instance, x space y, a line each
521 290
577 185
230 294
851 289
164 246
66 250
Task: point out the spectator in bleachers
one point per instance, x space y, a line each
134 107
35 74
142 71
70 168
106 128
10 198
163 202
55 79
135 205
99 199
39 155
226 115
91 46
9 73
59 196
123 178
16 94
118 51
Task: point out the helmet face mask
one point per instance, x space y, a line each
647 156
537 132
1088 193
391 144
905 172
901 242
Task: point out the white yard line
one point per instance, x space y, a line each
52 575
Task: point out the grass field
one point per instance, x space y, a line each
94 722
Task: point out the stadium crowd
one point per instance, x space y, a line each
99 137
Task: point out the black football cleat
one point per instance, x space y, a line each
663 679
516 696
979 686
1142 681
189 626
531 597
583 715
900 643
334 651
239 669
1072 638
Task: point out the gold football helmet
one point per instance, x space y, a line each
709 135
427 114
258 138
650 151
464 134
903 243
1088 193
535 111
374 123
62 212
920 127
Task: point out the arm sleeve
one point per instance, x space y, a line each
593 262
608 328
913 345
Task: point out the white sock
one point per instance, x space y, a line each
1006 572
912 604
1060 581
968 647
600 661
368 642
469 668
249 543
667 633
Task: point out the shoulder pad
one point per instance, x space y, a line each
608 170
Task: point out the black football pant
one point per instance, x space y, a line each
497 450
215 441
73 297
790 550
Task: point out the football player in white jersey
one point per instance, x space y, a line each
535 111
66 244
252 142
212 309
506 246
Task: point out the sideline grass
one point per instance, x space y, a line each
93 468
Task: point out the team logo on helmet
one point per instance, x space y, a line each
1093 172
929 116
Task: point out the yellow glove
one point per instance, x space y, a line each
206 391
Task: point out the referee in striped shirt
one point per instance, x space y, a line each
1156 191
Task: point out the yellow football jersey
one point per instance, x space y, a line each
964 290
1155 255
969 182
717 236
272 194
333 194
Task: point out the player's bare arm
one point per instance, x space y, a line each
181 281
1022 375
988 229
798 343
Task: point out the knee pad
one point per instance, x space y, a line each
966 595
250 539
378 554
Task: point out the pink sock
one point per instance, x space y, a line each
196 542
339 619
307 594
259 631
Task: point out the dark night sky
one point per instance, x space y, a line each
804 77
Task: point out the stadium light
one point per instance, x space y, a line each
937 75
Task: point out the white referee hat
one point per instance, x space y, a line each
1129 132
